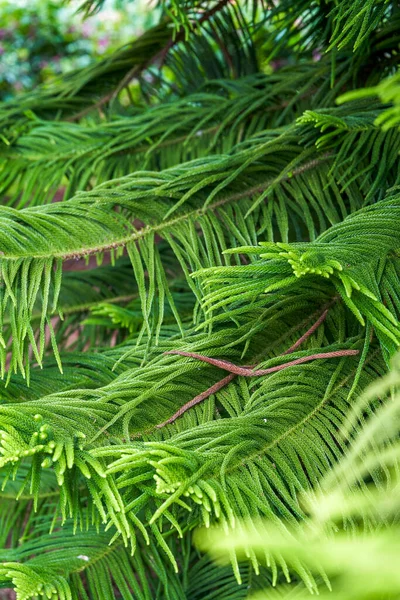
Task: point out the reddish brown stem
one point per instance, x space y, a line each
246 372
197 399
307 334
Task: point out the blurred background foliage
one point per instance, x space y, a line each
40 39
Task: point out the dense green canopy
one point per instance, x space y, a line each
230 179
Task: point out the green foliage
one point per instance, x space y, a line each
199 273
355 255
388 91
346 533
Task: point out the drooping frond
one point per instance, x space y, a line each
175 204
48 154
84 565
77 94
66 96
216 478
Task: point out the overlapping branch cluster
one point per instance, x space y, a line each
240 233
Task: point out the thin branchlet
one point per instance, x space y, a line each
197 399
248 371
307 334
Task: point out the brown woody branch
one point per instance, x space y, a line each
249 371
307 334
223 382
197 399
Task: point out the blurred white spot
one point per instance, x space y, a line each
83 557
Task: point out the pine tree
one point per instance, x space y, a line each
230 180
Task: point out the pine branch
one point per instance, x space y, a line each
260 223
229 366
172 222
157 58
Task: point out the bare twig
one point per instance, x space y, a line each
223 382
307 333
197 399
248 372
